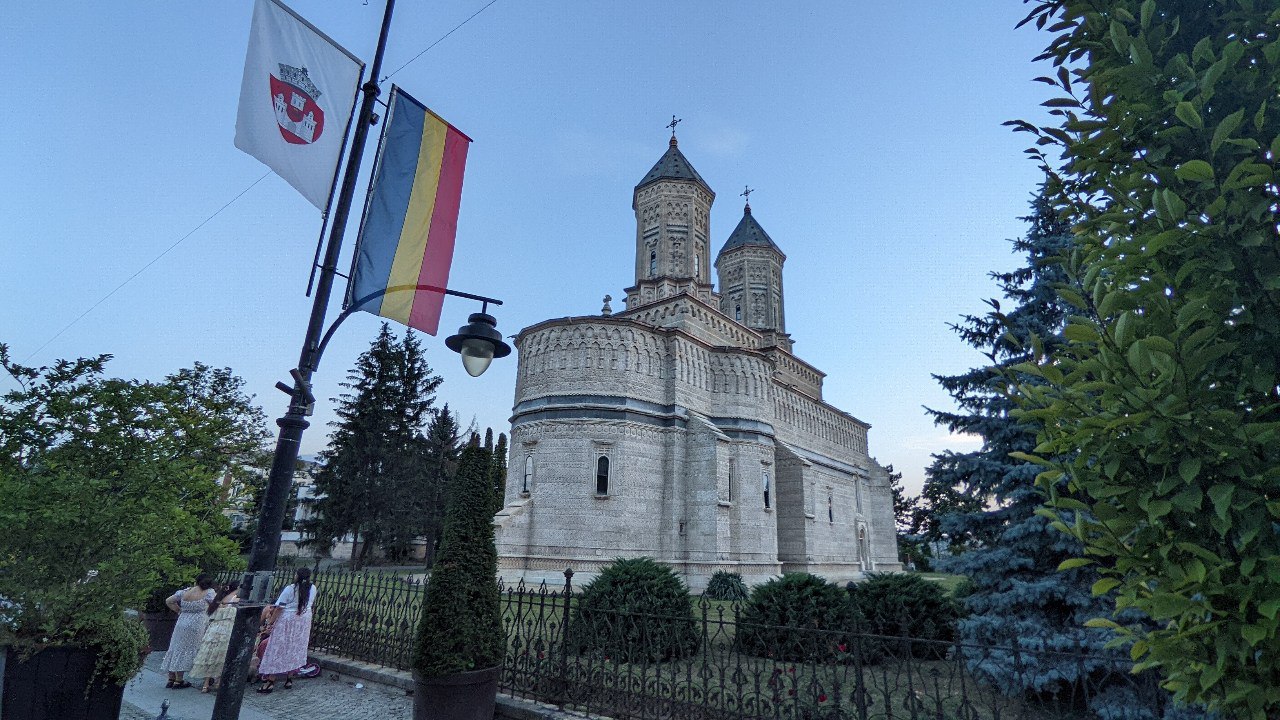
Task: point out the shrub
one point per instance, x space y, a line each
461 627
635 610
906 605
795 617
726 586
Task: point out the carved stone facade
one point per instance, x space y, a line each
676 430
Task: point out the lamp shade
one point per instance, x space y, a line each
478 342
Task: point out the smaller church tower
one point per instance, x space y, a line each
749 267
673 214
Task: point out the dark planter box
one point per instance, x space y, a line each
461 696
50 685
159 627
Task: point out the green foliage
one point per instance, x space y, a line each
726 586
439 465
373 482
1163 408
635 610
120 644
907 605
500 473
461 627
798 617
108 491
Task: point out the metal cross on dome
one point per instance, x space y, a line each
746 193
674 122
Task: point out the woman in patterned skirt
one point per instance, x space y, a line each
213 648
291 633
192 606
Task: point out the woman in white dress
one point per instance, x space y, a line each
291 633
192 606
213 647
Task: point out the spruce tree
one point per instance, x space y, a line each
500 473
1019 598
372 480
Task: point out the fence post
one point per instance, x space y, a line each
563 695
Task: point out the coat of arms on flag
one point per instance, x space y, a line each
294 96
296 83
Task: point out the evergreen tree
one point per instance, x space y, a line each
372 480
1019 597
440 464
500 473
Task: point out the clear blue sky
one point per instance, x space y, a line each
870 131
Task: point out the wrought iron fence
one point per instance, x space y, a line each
367 615
730 669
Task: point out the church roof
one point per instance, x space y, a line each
747 233
673 166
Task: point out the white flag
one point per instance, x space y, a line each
296 99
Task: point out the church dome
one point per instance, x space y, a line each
673 166
748 233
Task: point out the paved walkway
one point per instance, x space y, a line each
317 698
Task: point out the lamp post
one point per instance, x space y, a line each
266 540
478 342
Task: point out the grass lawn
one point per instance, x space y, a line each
947 581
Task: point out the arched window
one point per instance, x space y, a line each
528 474
653 263
602 475
766 489
831 508
697 265
737 313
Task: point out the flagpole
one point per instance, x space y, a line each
266 539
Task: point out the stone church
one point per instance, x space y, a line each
683 428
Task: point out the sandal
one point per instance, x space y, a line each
169 685
181 685
288 684
267 687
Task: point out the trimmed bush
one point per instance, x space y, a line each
461 627
906 605
726 586
795 617
635 610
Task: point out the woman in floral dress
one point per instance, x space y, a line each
213 648
192 606
291 633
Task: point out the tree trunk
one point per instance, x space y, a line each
354 562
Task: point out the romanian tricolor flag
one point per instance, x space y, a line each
401 265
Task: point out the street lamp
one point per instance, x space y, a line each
478 342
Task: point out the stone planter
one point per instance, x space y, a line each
461 696
50 685
159 627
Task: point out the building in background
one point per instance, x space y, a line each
684 428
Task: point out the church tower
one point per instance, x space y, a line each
673 211
749 267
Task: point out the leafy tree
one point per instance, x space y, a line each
373 482
947 493
911 547
108 489
1164 406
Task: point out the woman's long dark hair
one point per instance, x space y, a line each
302 584
204 581
223 591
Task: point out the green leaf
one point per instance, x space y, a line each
1186 112
1254 634
1072 563
1225 128
1269 609
1189 468
1102 587
1221 496
1102 623
1195 170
